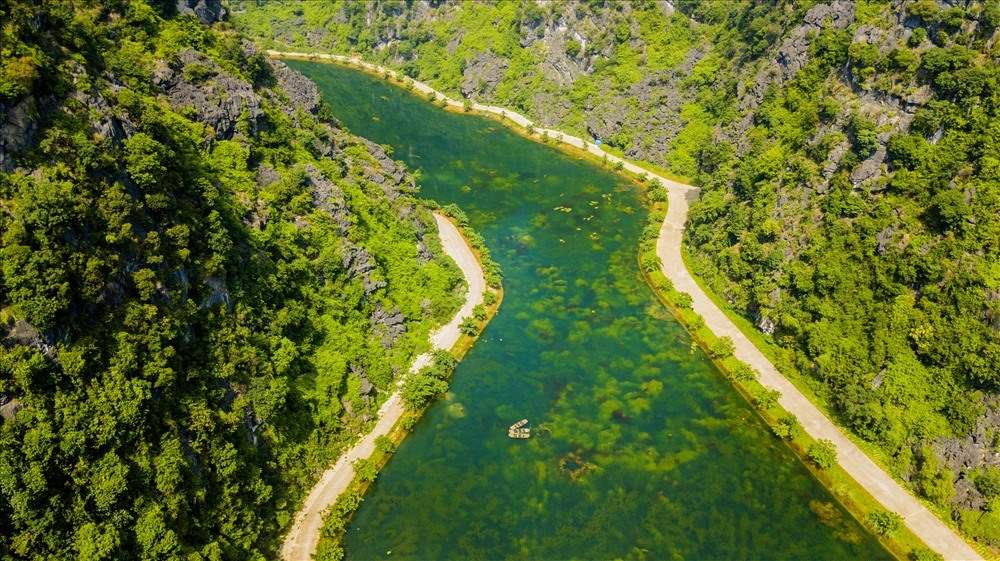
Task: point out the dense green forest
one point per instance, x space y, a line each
850 171
207 286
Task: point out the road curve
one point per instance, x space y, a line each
301 540
924 524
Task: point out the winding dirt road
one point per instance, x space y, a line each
301 541
924 524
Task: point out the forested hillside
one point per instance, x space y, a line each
850 171
207 286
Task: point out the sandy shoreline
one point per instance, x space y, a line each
303 537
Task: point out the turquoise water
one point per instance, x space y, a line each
642 449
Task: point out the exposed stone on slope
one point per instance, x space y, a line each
208 11
20 332
359 263
17 129
301 91
482 74
329 198
218 99
390 326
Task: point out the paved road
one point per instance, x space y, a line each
301 541
874 479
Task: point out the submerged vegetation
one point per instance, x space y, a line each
632 426
208 286
847 158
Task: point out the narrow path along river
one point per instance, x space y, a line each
642 450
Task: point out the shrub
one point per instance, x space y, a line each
743 372
650 262
479 312
489 297
384 444
684 300
823 453
365 469
469 326
766 399
721 348
988 482
573 48
786 428
925 554
884 522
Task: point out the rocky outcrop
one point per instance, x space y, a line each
974 451
208 11
20 332
793 52
218 293
217 98
9 407
17 129
301 91
389 175
359 263
389 326
482 74
329 198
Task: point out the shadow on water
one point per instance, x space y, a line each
641 449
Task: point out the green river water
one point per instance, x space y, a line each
642 449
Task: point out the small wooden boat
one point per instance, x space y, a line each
519 433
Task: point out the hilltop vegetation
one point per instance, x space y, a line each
850 173
207 286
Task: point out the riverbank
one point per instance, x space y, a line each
866 475
304 535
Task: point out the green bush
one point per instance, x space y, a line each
721 347
884 522
823 453
786 428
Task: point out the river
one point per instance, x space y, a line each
642 450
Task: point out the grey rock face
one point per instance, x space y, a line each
17 129
266 175
793 53
219 100
359 263
208 11
329 198
301 91
482 75
389 175
9 408
869 168
20 332
973 451
390 325
218 293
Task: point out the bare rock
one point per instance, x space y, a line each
482 74
390 325
329 198
218 293
359 263
301 91
18 127
266 175
218 99
869 168
208 11
9 408
20 332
